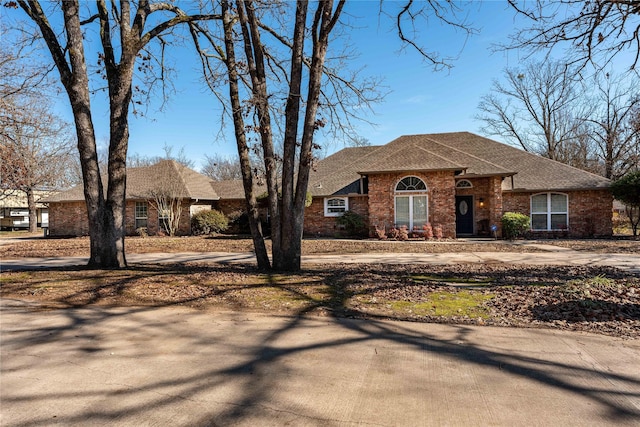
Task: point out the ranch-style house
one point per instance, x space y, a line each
458 181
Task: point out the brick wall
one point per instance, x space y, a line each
229 207
70 219
440 191
590 213
487 202
316 224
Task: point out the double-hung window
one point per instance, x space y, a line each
549 211
141 214
336 206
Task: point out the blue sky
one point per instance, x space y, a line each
420 100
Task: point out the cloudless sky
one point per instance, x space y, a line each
420 100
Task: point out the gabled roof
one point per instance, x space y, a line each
143 181
467 154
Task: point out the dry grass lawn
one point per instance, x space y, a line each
595 299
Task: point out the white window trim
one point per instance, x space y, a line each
326 206
548 213
426 188
138 218
410 196
147 210
464 180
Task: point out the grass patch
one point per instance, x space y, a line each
447 304
449 280
12 277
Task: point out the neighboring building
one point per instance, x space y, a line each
14 211
460 181
68 211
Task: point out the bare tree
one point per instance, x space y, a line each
37 153
36 149
283 84
23 73
126 33
538 109
166 197
136 160
220 168
592 32
616 101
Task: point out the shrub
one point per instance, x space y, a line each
403 233
381 233
353 223
142 232
209 222
428 231
515 225
437 232
393 233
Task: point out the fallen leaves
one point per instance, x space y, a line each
582 298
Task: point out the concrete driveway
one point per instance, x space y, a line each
174 366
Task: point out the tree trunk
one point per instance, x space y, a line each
262 257
324 21
33 214
73 75
76 82
255 58
286 258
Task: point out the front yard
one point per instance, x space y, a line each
79 246
595 299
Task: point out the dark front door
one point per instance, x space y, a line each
464 215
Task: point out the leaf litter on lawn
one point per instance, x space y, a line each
583 298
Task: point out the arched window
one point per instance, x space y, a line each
411 183
411 210
464 183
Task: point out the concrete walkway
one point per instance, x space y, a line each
630 262
174 366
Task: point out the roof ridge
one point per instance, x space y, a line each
357 159
439 156
428 136
180 169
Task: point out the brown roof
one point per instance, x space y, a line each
233 189
335 173
533 172
469 154
142 181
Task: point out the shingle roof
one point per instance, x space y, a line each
533 172
471 154
334 174
233 189
142 181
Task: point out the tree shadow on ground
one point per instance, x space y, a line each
257 367
586 310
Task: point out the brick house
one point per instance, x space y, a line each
460 181
68 211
